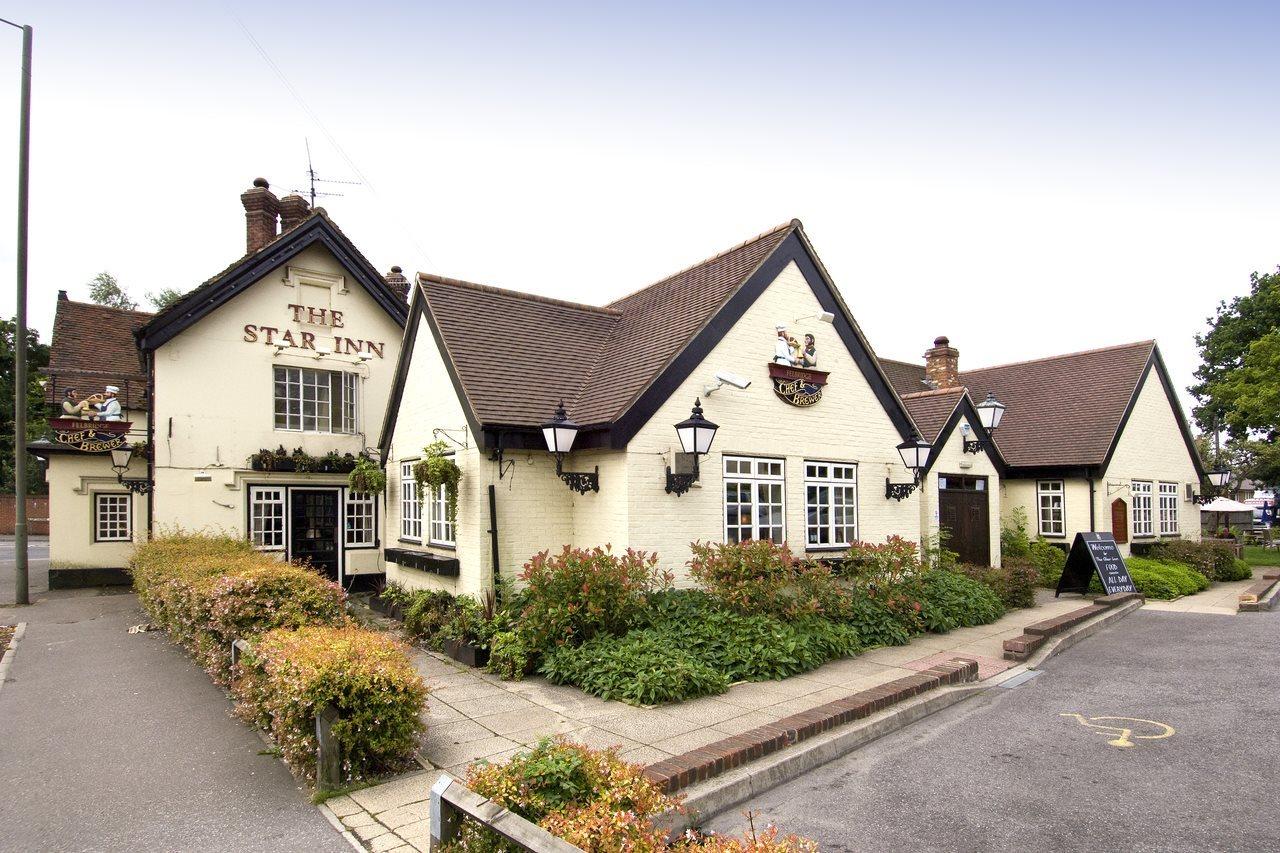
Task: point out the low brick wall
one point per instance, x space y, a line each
1253 599
1037 633
37 515
681 771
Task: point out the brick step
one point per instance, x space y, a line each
681 771
1021 648
1251 598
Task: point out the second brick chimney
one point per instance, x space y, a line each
942 364
293 209
261 207
397 281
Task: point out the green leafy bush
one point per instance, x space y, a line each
1014 541
1014 582
1160 580
876 624
208 591
880 566
1214 560
577 594
758 576
426 612
641 668
951 600
288 676
1240 571
1049 561
509 655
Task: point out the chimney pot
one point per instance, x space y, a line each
261 207
62 296
396 281
942 364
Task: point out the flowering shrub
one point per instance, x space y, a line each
596 801
1015 582
288 676
209 591
577 594
1214 560
871 566
758 576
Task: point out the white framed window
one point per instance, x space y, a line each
754 499
1168 509
1051 501
112 517
266 516
1141 522
830 504
315 400
410 506
361 515
441 528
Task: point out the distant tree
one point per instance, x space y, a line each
166 297
104 289
37 413
1246 459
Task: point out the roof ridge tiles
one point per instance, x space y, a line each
111 308
936 392
517 294
1060 356
789 224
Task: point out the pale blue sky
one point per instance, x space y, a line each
1025 180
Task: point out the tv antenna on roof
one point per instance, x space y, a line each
314 179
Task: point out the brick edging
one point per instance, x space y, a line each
683 770
1037 633
1251 599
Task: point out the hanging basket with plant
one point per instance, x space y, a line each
367 478
438 469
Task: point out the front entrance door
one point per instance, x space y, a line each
965 517
313 538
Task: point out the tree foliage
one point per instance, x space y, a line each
1238 382
165 297
37 357
105 289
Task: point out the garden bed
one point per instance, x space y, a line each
6 634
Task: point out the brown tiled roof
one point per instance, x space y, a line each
931 409
92 347
517 354
906 378
1062 410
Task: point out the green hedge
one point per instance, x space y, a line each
1160 580
1214 560
1015 582
208 591
951 600
289 675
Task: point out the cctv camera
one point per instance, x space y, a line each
733 379
366 356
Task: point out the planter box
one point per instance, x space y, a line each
392 610
464 652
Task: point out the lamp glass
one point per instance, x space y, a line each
120 456
1218 477
559 432
991 412
914 452
696 432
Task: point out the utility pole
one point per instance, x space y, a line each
21 592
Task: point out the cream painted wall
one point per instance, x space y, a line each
847 425
214 394
952 459
74 479
1151 448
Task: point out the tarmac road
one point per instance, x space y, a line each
37 567
1007 771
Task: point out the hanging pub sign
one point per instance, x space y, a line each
795 380
1095 553
89 436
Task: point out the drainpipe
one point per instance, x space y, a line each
1093 524
493 538
151 439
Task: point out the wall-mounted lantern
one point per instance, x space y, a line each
559 433
696 434
120 459
915 455
990 413
1218 479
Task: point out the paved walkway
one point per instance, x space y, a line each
1221 598
116 741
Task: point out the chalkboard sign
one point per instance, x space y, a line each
1095 553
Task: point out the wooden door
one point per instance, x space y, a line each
965 517
1120 520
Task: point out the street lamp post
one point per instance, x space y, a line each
21 591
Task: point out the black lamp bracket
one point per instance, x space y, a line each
678 484
579 481
899 491
138 487
504 464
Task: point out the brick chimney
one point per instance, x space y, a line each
942 364
396 279
293 209
260 210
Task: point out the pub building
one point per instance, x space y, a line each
737 399
242 406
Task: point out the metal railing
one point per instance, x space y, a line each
452 802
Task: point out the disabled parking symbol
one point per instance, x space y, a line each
1124 730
